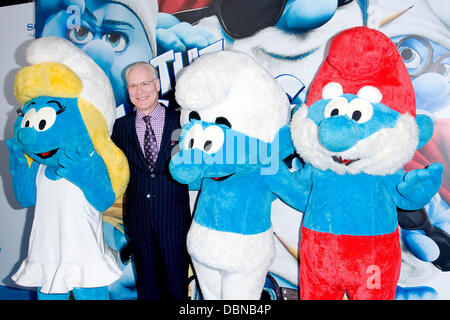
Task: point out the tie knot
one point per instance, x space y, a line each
146 119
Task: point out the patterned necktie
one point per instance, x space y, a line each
150 145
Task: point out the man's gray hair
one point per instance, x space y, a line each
151 67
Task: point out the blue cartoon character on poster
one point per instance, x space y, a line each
421 31
63 162
232 143
356 177
288 38
113 33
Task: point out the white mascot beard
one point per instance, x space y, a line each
383 153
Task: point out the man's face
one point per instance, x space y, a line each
143 88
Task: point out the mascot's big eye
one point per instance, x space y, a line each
193 137
214 138
209 140
80 35
336 107
116 40
360 110
44 119
29 119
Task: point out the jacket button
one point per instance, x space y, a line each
152 175
148 196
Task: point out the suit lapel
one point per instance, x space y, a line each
131 128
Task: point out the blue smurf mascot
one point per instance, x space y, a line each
63 162
355 134
232 143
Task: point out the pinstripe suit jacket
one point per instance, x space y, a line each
155 205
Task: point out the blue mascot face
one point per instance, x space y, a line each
349 133
352 117
47 124
218 152
109 33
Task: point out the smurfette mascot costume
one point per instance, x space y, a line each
63 162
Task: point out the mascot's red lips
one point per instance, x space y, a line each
223 178
47 154
343 161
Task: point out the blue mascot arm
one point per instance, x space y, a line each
413 190
171 34
420 185
293 188
85 168
23 176
285 142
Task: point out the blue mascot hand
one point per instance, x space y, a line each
171 34
23 176
419 186
85 168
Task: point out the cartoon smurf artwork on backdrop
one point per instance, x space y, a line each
288 40
421 31
63 162
113 33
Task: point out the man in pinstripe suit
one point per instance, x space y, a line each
156 208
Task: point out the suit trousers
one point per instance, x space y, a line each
158 275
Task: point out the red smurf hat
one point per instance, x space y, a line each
359 57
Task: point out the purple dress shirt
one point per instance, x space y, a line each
156 120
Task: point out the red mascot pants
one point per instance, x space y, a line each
364 267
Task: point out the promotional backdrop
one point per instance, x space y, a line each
290 43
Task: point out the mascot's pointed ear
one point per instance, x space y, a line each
425 125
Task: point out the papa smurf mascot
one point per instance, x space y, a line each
63 162
357 131
234 136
